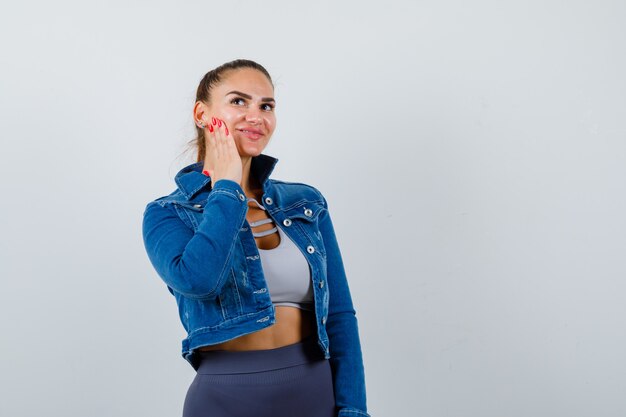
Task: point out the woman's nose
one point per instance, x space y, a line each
253 116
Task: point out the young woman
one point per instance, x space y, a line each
255 268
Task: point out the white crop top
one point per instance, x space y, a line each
286 270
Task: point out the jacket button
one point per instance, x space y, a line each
268 200
310 249
321 284
308 212
287 222
242 197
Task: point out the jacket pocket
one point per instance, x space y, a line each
304 218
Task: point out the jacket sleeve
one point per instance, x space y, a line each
196 264
343 335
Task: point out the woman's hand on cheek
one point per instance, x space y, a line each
222 160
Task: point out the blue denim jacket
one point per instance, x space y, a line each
201 245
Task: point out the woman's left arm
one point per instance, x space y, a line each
345 347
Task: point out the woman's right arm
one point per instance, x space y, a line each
196 264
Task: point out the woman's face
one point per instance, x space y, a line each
244 99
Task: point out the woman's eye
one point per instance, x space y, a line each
238 101
267 107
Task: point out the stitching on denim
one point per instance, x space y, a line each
300 203
185 171
303 217
236 296
360 413
319 249
237 292
182 215
225 324
195 190
309 186
353 411
315 191
228 193
220 280
192 218
219 297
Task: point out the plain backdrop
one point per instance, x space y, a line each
473 154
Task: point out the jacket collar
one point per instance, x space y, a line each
190 179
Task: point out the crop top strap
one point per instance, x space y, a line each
265 232
256 202
260 222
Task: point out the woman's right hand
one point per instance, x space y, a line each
221 160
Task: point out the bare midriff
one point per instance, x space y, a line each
292 324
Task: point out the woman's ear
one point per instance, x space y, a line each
201 113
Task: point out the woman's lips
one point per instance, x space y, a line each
253 134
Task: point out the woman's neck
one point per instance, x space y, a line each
250 185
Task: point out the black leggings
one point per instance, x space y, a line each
291 381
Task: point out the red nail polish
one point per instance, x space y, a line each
211 128
226 130
205 172
213 120
219 123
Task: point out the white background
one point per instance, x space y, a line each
473 155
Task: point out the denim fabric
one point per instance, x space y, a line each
201 245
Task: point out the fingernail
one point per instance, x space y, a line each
211 128
219 123
213 120
205 172
226 130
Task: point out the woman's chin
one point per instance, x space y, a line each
251 150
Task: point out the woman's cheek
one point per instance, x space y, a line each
271 125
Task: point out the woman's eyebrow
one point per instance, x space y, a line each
249 97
